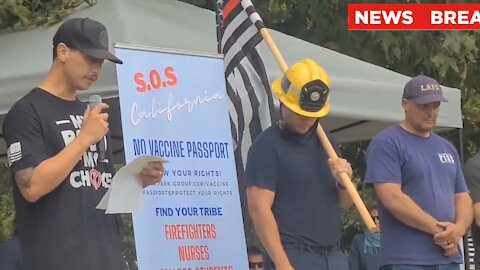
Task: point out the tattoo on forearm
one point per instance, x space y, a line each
24 178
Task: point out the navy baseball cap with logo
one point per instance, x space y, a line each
422 90
87 36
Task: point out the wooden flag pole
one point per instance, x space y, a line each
346 182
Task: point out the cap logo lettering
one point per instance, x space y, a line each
430 87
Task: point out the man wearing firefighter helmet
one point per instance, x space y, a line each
293 188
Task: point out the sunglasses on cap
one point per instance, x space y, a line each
255 265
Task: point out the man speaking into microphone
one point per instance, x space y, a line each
52 140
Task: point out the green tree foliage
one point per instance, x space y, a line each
25 14
7 210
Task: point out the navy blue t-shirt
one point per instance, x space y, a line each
430 173
295 168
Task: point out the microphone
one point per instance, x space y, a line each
93 102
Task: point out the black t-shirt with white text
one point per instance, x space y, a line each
63 229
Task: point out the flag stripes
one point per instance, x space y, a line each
250 98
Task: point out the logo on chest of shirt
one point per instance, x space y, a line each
446 158
88 176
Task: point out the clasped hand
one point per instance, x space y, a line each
449 238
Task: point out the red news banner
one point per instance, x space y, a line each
413 16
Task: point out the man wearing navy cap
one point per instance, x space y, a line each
51 137
425 207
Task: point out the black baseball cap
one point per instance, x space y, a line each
87 36
423 89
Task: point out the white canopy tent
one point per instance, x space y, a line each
365 98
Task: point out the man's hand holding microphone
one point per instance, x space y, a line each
94 128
